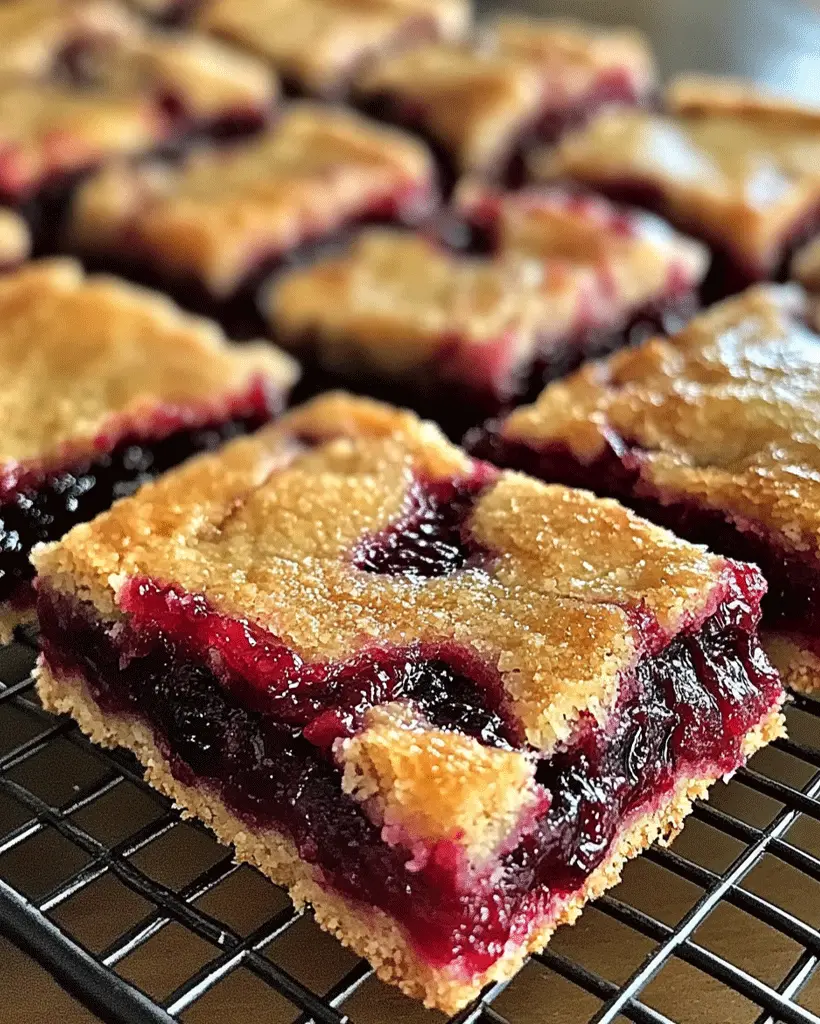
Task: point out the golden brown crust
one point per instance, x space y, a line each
798 666
726 413
11 618
732 163
218 214
208 79
36 32
805 266
79 352
477 98
265 531
15 239
424 785
318 43
370 932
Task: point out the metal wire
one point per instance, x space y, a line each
93 980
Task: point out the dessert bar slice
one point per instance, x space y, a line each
104 385
731 165
551 277
647 275
218 219
442 703
713 433
480 103
37 34
317 45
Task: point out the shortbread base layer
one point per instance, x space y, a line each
798 666
369 932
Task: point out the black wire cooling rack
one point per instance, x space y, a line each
144 918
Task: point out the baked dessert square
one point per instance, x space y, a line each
548 279
103 386
38 34
725 162
713 434
481 103
442 703
201 84
217 220
318 45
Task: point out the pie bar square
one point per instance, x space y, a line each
732 165
200 83
440 702
37 34
317 45
713 434
481 103
554 277
220 217
103 386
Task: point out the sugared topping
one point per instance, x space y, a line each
735 165
85 356
316 44
215 217
15 239
399 302
635 256
573 591
425 786
36 33
725 414
479 99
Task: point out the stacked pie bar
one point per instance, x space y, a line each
442 702
102 386
543 279
210 225
725 162
714 434
480 103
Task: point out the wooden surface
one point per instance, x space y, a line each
778 42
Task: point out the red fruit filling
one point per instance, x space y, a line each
432 538
238 713
41 504
792 603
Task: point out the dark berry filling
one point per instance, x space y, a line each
683 713
792 602
41 505
432 538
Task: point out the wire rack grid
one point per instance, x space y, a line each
97 870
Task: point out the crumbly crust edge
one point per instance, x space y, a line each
799 667
369 932
11 618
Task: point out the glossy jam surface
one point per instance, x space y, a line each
38 506
432 538
682 713
792 602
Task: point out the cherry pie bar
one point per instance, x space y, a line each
729 164
103 386
37 34
554 277
217 220
480 103
317 45
714 434
442 703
